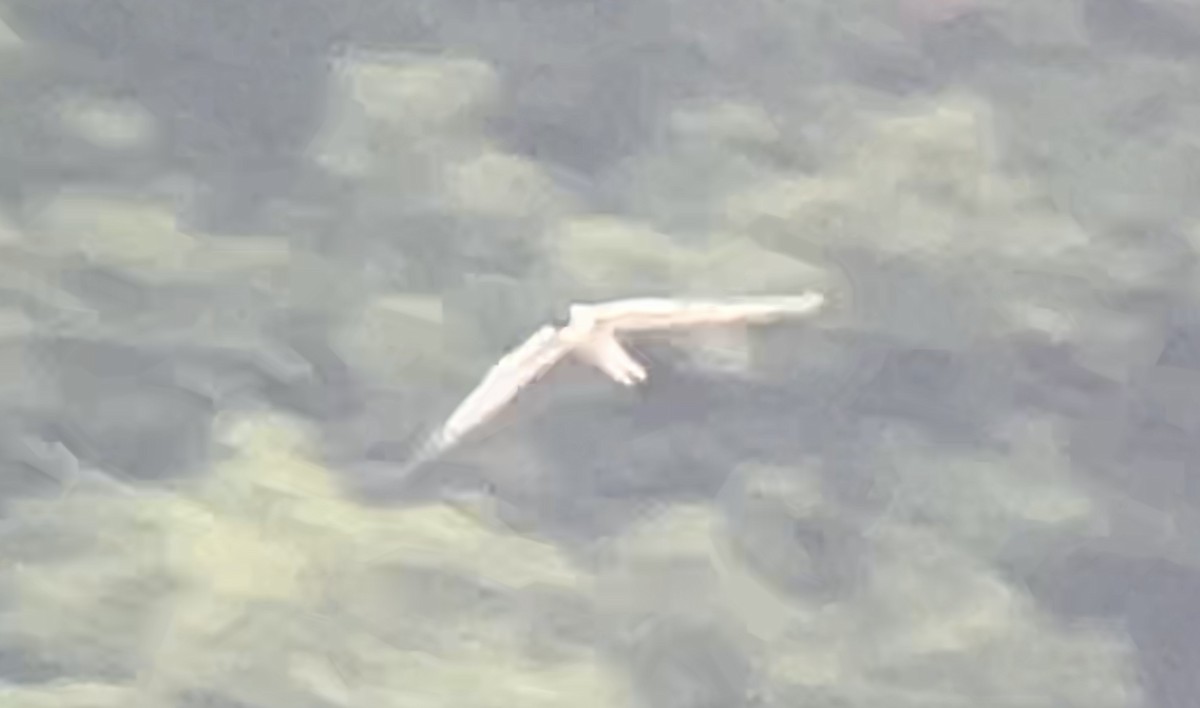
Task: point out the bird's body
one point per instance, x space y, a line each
590 335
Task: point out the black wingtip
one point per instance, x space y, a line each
560 319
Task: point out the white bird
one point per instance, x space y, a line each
591 335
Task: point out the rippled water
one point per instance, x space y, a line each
250 251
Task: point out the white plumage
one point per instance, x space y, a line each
591 335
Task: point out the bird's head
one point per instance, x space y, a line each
560 318
580 317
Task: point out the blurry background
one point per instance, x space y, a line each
249 249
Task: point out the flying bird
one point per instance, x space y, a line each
591 334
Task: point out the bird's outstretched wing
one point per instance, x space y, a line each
644 314
590 332
499 386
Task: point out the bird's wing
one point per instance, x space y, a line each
660 313
499 386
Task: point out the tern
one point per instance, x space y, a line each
591 334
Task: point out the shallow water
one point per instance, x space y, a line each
251 251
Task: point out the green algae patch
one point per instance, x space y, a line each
607 254
250 579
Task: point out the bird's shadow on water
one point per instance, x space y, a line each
584 464
588 464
